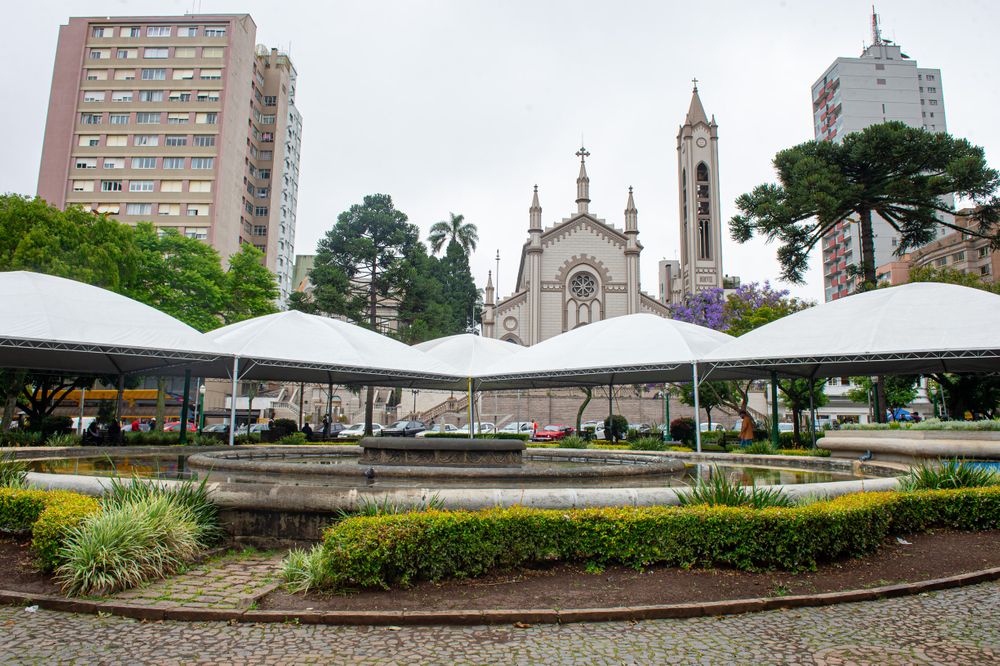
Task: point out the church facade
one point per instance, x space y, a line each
576 272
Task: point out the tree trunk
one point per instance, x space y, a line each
579 413
708 413
796 418
867 250
14 385
161 402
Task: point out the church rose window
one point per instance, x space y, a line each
583 285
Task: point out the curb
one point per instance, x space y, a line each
480 617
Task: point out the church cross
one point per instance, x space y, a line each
695 82
582 154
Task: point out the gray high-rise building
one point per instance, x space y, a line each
880 85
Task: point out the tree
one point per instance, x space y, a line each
588 393
360 267
459 289
251 289
299 300
423 311
795 394
952 276
898 172
979 395
899 390
455 230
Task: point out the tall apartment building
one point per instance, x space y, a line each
183 121
882 84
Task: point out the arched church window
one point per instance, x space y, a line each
704 239
583 285
702 173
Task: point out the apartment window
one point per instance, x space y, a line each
179 96
125 54
158 31
154 74
260 211
173 162
143 162
933 102
215 31
118 118
267 120
130 32
89 140
880 82
204 141
960 256
184 52
932 114
211 74
116 140
984 251
208 96
93 96
124 75
97 75
147 118
943 261
930 77
90 118
177 118
264 174
170 186
195 210
83 186
150 95
187 31
154 53
206 118
169 209
108 209
266 155
183 74
262 192
146 140
140 186
931 89
270 100
199 186
114 162
176 140
111 186
211 52
121 96
984 270
259 230
100 54
198 233
139 209
102 32
86 163
202 162
921 89
260 247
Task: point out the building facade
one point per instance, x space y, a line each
182 121
882 84
575 272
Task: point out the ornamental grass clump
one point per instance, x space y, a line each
188 494
948 474
762 448
127 545
647 444
13 472
572 442
304 570
721 491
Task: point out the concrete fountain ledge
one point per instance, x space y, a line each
910 446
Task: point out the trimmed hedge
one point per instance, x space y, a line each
48 514
396 550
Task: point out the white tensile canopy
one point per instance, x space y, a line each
469 355
55 324
623 350
911 329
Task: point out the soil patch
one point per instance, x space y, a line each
18 572
936 554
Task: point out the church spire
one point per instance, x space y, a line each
582 183
535 212
631 214
696 112
488 300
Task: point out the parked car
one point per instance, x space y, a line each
358 430
703 426
551 433
404 429
175 426
517 428
481 427
215 427
438 428
641 428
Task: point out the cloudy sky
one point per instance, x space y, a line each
462 105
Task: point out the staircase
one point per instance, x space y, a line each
455 405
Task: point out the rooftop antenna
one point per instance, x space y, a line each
876 32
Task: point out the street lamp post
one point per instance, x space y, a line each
415 392
201 407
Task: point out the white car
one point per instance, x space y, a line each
481 427
715 426
358 430
440 427
518 427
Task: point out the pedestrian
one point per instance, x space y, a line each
326 427
916 417
152 425
307 431
746 429
135 425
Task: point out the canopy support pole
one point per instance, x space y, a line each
182 438
812 408
697 409
302 393
83 401
232 404
329 406
120 396
774 408
472 430
666 412
610 427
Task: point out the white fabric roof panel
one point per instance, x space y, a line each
295 346
469 355
914 328
623 350
52 323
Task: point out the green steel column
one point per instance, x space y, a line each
666 413
184 407
774 408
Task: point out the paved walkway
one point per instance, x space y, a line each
228 582
959 626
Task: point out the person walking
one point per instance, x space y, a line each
746 429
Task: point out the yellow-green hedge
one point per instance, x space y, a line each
396 550
47 514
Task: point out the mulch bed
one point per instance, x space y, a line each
17 568
931 555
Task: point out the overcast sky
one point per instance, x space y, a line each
461 106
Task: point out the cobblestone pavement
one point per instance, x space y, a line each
227 582
949 627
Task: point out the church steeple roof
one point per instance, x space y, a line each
696 112
582 183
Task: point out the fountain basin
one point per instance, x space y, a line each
441 452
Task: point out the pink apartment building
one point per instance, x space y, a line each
182 121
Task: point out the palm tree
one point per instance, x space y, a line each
458 230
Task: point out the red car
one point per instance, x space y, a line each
175 426
551 433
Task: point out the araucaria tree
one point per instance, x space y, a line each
900 173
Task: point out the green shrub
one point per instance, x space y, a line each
928 424
127 545
396 550
17 438
682 430
13 472
721 491
373 506
304 570
616 427
647 444
295 438
786 440
192 496
281 428
47 514
64 439
948 474
153 438
762 448
572 442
